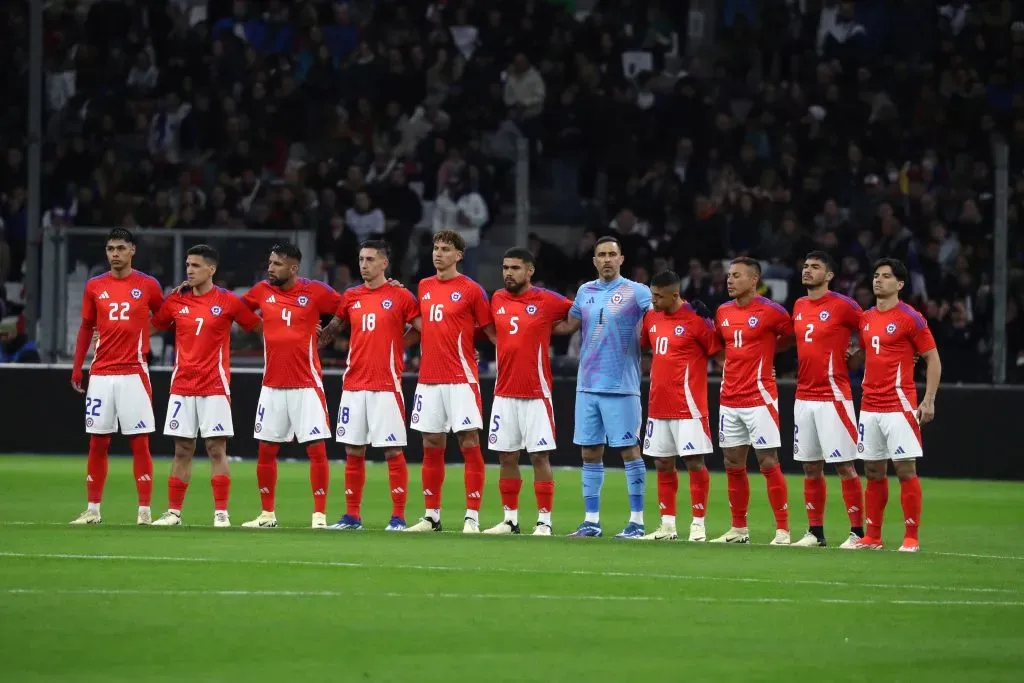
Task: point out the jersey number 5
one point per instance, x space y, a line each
119 311
514 323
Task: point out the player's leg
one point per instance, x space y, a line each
307 410
808 451
590 435
766 439
354 432
660 445
387 430
510 482
466 410
905 433
133 398
544 491
623 421
693 440
505 437
398 483
837 431
272 428
429 417
734 440
100 424
537 421
182 425
872 448
217 426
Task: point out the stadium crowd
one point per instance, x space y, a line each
862 129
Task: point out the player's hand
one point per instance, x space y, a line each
177 290
476 356
394 283
701 309
319 330
76 382
95 337
926 411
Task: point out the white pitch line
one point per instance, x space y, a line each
504 570
130 592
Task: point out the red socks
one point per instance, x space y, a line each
853 498
319 474
510 489
96 467
545 492
266 473
739 495
778 496
700 484
668 486
221 485
875 500
433 477
142 466
474 476
398 480
910 499
176 489
355 478
815 492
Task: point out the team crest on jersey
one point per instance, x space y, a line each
531 309
302 300
88 422
752 321
216 310
493 438
860 448
823 316
456 296
891 328
386 304
173 424
136 293
341 431
617 298
679 330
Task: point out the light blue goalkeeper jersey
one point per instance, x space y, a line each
611 313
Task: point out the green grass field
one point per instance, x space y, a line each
121 603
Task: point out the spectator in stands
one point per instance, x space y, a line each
524 94
460 209
364 220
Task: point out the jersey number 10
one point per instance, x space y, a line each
660 346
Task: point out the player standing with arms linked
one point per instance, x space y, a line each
610 310
681 340
292 401
753 329
522 416
824 423
890 419
453 308
117 305
200 402
372 410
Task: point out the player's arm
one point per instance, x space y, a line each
924 344
246 319
251 298
573 321
482 317
337 324
85 330
412 334
163 319
156 296
784 336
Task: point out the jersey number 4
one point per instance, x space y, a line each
286 316
119 311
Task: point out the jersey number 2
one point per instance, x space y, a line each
808 332
119 311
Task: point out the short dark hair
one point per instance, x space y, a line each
287 249
822 256
121 234
524 255
206 251
747 261
380 245
898 268
605 240
666 278
451 237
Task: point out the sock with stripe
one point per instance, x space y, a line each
319 474
355 480
778 495
142 467
96 469
266 473
398 481
910 499
815 493
700 485
668 487
853 498
509 489
474 477
221 485
636 485
593 481
176 489
544 491
876 498
739 495
433 481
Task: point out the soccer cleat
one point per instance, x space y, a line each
910 545
506 528
88 517
809 540
425 524
698 534
867 543
471 526
851 542
266 520
587 530
781 538
632 530
221 519
665 532
396 524
145 518
319 521
348 523
541 529
168 519
734 535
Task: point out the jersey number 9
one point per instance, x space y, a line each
875 344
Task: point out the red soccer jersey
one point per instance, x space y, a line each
681 342
377 318
119 309
823 329
522 325
452 310
750 333
202 339
290 318
890 339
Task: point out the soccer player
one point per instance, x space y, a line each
890 417
522 416
610 310
372 408
824 424
753 328
681 340
117 305
453 309
200 401
292 401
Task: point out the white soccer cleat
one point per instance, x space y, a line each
541 529
910 545
781 538
851 542
88 517
665 532
266 520
471 526
808 540
145 518
319 521
698 534
734 535
506 528
221 519
168 519
425 524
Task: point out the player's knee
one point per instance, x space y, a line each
434 440
664 464
694 463
905 469
735 457
538 459
508 459
846 470
359 452
875 471
593 453
217 449
469 439
389 453
184 449
631 453
767 458
814 470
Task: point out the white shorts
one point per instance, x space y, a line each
521 423
439 408
127 400
889 436
286 413
671 438
824 430
188 416
376 418
756 426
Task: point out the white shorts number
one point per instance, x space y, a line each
521 423
440 408
124 400
286 413
375 418
191 416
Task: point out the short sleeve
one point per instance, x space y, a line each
245 318
156 295
783 323
342 310
163 318
88 306
707 336
645 335
921 337
643 297
251 298
576 311
412 307
558 307
481 308
327 300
